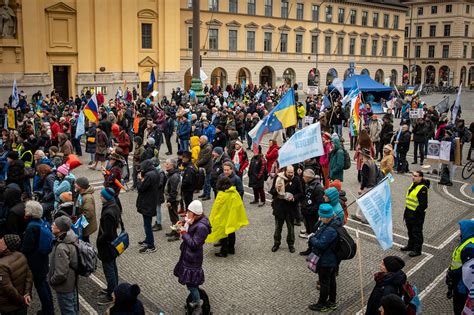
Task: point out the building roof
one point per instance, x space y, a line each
396 3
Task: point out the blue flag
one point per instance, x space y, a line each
80 128
326 103
152 80
376 205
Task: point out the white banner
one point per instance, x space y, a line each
445 151
304 144
468 279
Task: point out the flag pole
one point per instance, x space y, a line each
362 300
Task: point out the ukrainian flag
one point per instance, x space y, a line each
91 109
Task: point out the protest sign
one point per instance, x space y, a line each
433 150
308 120
445 152
11 119
416 113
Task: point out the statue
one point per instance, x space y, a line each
7 21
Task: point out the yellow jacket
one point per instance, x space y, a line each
301 111
227 215
195 148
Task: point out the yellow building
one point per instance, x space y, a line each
70 45
439 42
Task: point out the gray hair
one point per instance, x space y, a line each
33 209
172 162
205 138
40 153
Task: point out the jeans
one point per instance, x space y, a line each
290 239
44 294
327 282
158 214
149 240
207 186
338 130
68 303
76 143
194 291
92 155
300 123
184 145
111 276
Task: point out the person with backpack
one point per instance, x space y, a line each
205 161
391 304
321 243
37 244
336 161
331 196
257 175
86 203
389 280
64 262
126 300
188 179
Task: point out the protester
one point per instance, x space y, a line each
368 180
125 299
391 304
336 161
240 159
172 195
256 174
85 202
188 179
204 160
403 146
228 171
272 154
388 161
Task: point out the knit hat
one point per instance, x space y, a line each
107 193
82 182
13 155
63 169
33 209
195 207
218 150
332 193
309 173
187 154
150 141
325 211
63 223
393 263
393 305
65 196
336 184
138 140
238 143
12 241
126 293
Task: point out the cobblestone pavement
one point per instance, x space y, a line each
256 281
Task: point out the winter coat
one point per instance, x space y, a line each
115 173
420 132
102 142
387 133
336 161
282 207
38 262
386 165
209 132
271 156
16 223
404 142
16 173
66 148
368 175
236 181
63 262
314 196
205 158
173 186
257 170
17 281
321 243
91 145
385 283
333 194
195 149
109 222
184 130
48 188
124 143
188 177
220 140
467 231
217 168
243 161
418 216
189 267
375 128
148 189
87 206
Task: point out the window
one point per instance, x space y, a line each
340 16
431 51
233 6
299 11
365 17
268 7
445 51
419 31
374 47
250 40
353 17
466 30
363 46
213 5
315 13
232 40
251 7
299 43
449 8
328 13
420 11
190 4
284 9
432 30
267 42
447 30
213 39
394 49
417 51
396 20
146 36
386 20
434 9
314 44
407 31
384 48
284 43
190 38
352 44
340 46
405 52
468 8
327 45
472 52
375 19
464 51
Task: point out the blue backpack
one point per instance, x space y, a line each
45 243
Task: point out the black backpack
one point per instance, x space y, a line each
205 308
200 179
347 159
344 246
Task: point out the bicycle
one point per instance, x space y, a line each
468 170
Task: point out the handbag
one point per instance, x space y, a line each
122 242
313 262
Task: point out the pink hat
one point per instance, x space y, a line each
63 169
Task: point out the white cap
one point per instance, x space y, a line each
195 207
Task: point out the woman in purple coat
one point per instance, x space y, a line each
189 267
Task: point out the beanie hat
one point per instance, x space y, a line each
336 184
195 207
393 263
218 150
393 305
13 155
333 194
187 154
126 293
65 196
63 223
309 173
150 141
107 193
33 209
138 140
12 241
82 182
325 211
63 169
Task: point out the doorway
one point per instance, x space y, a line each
61 81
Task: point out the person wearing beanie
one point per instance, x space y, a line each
15 275
64 262
220 138
388 280
219 157
321 244
331 196
110 218
189 270
85 201
392 304
126 300
240 159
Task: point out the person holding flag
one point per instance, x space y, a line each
152 81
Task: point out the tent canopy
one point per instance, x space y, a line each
365 84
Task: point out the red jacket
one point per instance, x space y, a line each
271 156
124 142
243 161
55 130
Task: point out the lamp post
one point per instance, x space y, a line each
196 84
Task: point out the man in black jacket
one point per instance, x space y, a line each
420 134
172 195
168 132
219 157
220 139
403 146
205 161
147 201
188 179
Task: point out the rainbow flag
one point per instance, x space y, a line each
91 109
355 115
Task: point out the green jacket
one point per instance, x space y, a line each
336 161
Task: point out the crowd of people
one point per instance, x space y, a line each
214 153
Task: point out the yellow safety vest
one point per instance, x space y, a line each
411 197
27 163
456 257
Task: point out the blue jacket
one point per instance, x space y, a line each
467 231
209 132
321 243
184 130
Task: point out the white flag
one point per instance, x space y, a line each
338 85
457 103
15 98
